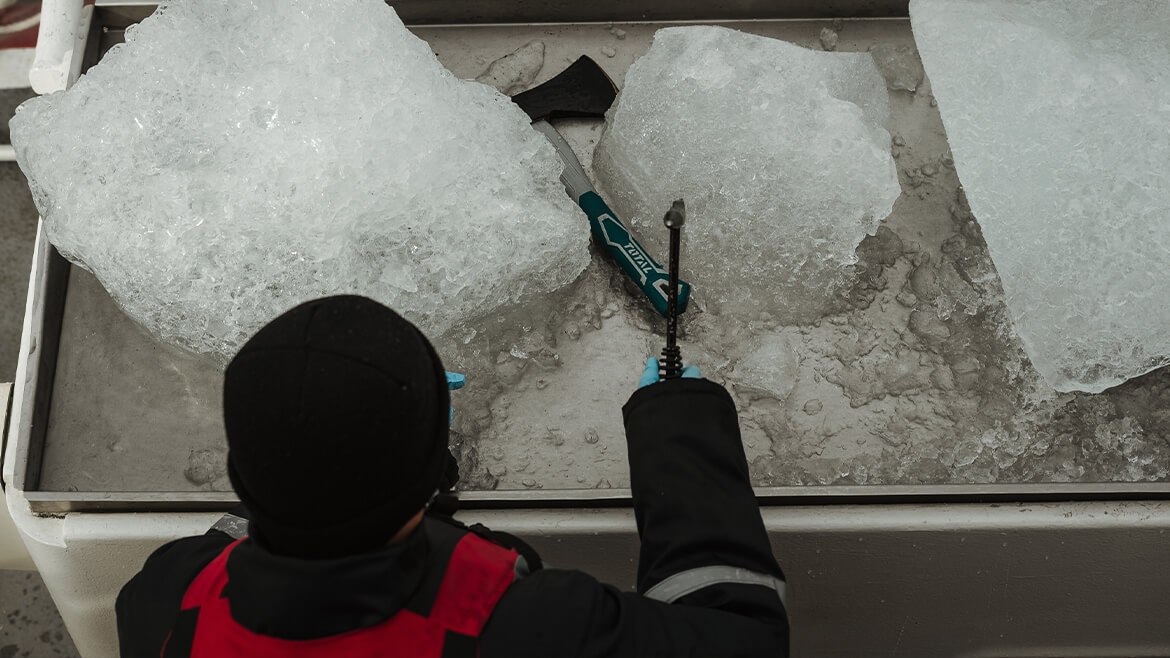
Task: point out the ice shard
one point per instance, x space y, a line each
780 152
1057 115
236 157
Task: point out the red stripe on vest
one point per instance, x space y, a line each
467 584
477 576
210 581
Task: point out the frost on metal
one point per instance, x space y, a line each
1057 115
234 158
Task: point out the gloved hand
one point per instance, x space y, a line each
650 375
454 381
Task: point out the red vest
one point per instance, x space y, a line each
476 577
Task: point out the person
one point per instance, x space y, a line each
337 424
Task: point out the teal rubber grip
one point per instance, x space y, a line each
652 278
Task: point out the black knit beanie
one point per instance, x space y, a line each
336 417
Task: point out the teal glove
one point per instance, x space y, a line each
454 381
650 375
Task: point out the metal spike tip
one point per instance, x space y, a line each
676 216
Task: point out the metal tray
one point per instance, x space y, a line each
960 570
107 409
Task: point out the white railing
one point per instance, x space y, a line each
60 41
60 49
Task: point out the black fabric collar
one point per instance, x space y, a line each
296 599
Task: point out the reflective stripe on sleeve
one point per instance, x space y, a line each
692 580
521 569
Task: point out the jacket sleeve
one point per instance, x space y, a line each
707 580
556 612
148 605
703 540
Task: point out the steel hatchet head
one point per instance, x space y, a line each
582 90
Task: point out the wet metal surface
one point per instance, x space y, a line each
130 414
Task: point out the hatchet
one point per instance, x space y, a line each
584 90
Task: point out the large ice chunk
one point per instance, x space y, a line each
1058 115
780 152
236 157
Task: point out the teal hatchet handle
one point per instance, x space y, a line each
651 277
610 232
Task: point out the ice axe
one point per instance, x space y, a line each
584 90
671 365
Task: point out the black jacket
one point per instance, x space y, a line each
694 507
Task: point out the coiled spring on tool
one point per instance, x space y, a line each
670 365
